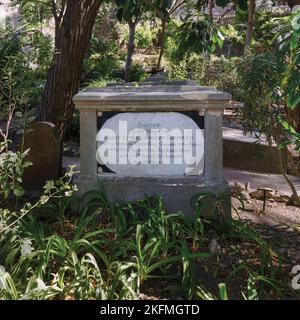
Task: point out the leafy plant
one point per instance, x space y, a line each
214 207
295 136
288 40
24 59
197 35
12 165
264 102
223 291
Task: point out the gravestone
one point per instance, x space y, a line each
128 167
45 154
153 143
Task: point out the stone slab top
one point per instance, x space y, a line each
149 97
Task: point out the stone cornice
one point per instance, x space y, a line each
145 98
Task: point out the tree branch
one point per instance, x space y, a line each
62 8
176 6
54 11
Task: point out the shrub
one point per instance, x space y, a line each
222 73
102 60
144 36
137 72
189 68
24 59
217 72
12 165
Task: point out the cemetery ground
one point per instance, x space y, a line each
70 70
232 258
102 250
137 251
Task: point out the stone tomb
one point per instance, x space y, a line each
149 147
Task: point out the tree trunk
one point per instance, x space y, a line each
276 135
162 42
251 13
72 37
130 49
294 117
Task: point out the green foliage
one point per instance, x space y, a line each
188 68
232 34
139 242
288 39
218 72
90 264
137 72
163 7
222 74
102 60
265 25
12 165
223 291
263 81
144 36
259 77
104 54
130 11
291 132
270 82
53 249
198 34
24 59
36 12
214 207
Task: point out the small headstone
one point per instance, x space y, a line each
45 154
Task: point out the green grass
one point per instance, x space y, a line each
113 251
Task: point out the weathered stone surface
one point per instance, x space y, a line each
176 192
259 194
151 98
172 136
245 195
45 154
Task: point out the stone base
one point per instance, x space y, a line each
176 192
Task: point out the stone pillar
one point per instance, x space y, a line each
213 145
99 115
88 132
